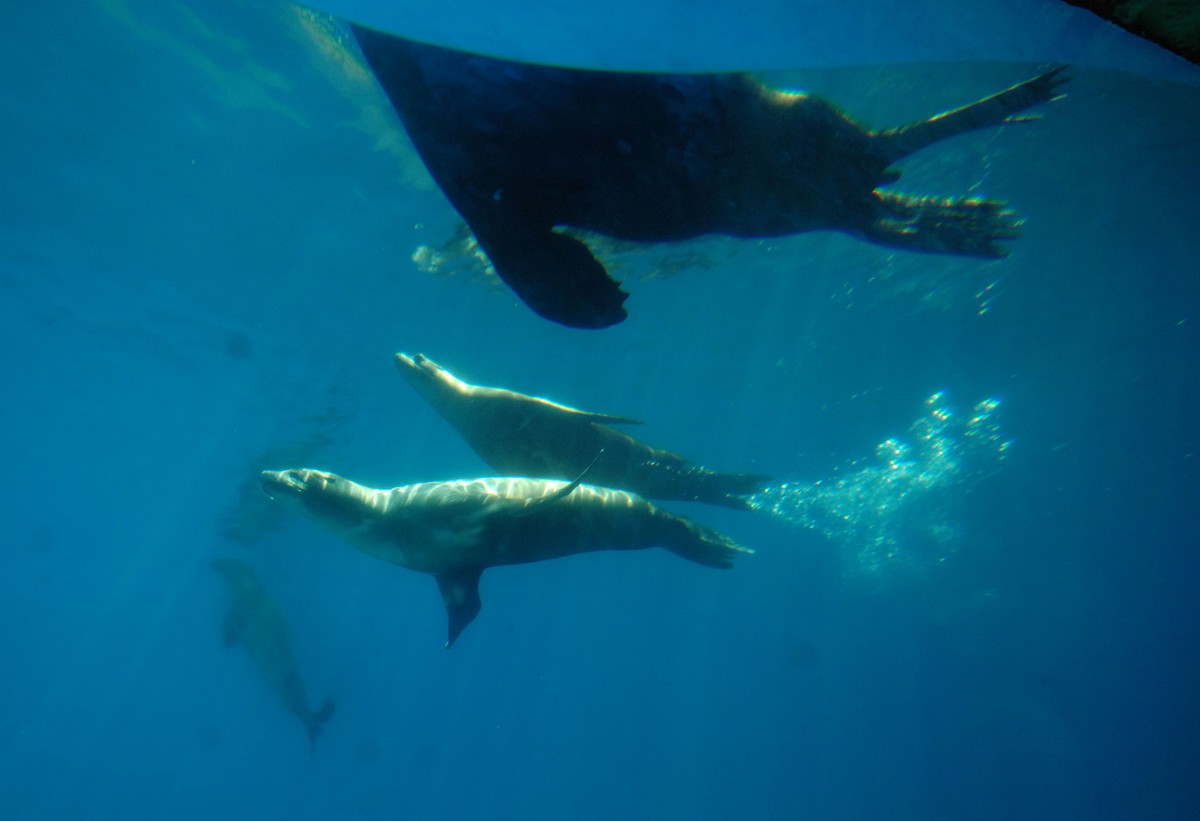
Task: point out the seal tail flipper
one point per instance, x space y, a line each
314 722
965 226
460 594
705 546
999 108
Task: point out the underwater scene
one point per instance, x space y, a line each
829 431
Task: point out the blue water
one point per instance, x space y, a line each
703 35
974 592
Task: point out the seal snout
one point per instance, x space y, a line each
423 373
417 362
282 482
409 366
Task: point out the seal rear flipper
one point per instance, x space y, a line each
741 498
990 111
966 226
555 275
726 489
460 594
705 546
736 485
313 721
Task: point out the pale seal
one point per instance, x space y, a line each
456 530
522 435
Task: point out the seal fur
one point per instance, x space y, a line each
521 435
456 530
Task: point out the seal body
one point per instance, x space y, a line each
456 530
256 621
521 435
521 149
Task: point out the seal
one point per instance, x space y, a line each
521 435
520 149
256 621
456 530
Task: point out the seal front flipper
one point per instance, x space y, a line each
460 593
555 275
529 506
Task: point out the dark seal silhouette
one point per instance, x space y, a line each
521 149
256 621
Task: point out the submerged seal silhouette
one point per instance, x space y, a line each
456 530
256 621
520 149
521 435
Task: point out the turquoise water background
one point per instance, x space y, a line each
214 236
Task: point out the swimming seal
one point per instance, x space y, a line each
256 621
520 149
456 530
521 435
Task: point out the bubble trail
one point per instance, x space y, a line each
897 508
